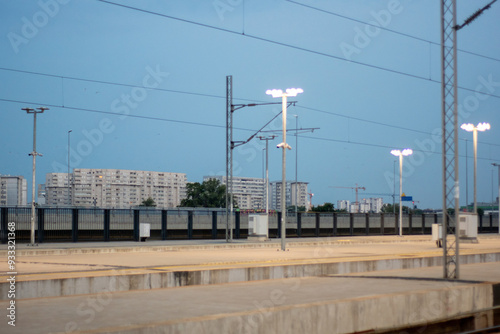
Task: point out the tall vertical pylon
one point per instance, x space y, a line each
450 139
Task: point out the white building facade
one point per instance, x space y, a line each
249 192
114 188
295 192
13 191
365 205
343 205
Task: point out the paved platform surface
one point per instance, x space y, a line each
247 306
74 259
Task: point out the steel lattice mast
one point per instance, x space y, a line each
450 139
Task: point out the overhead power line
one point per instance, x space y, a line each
390 30
370 144
211 96
109 82
202 95
120 114
414 76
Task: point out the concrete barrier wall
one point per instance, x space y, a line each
400 310
122 281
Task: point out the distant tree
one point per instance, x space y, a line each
480 211
291 208
148 202
209 194
389 208
327 207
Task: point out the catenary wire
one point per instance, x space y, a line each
215 125
207 95
414 76
386 29
220 97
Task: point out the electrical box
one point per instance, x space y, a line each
437 234
258 226
468 226
144 231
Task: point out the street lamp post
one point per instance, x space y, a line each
498 165
34 153
279 93
296 163
474 129
400 154
69 186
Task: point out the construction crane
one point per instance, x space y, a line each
356 189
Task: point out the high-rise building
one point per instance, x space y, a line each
374 204
343 205
42 194
291 188
115 188
57 189
365 205
249 192
13 190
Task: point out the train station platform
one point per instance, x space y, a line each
318 285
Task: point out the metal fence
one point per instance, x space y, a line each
79 224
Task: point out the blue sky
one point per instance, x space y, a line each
146 91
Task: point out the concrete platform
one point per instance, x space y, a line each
332 304
62 270
327 285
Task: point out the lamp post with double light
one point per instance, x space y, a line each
279 93
400 154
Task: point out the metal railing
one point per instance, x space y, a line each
89 224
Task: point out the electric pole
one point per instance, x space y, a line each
449 112
231 145
34 153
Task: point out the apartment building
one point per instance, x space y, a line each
343 205
115 188
296 194
249 192
365 205
57 189
13 190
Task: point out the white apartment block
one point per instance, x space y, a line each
296 194
343 205
57 189
13 190
249 192
115 188
372 204
365 205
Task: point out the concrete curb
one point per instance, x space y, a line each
97 248
168 279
